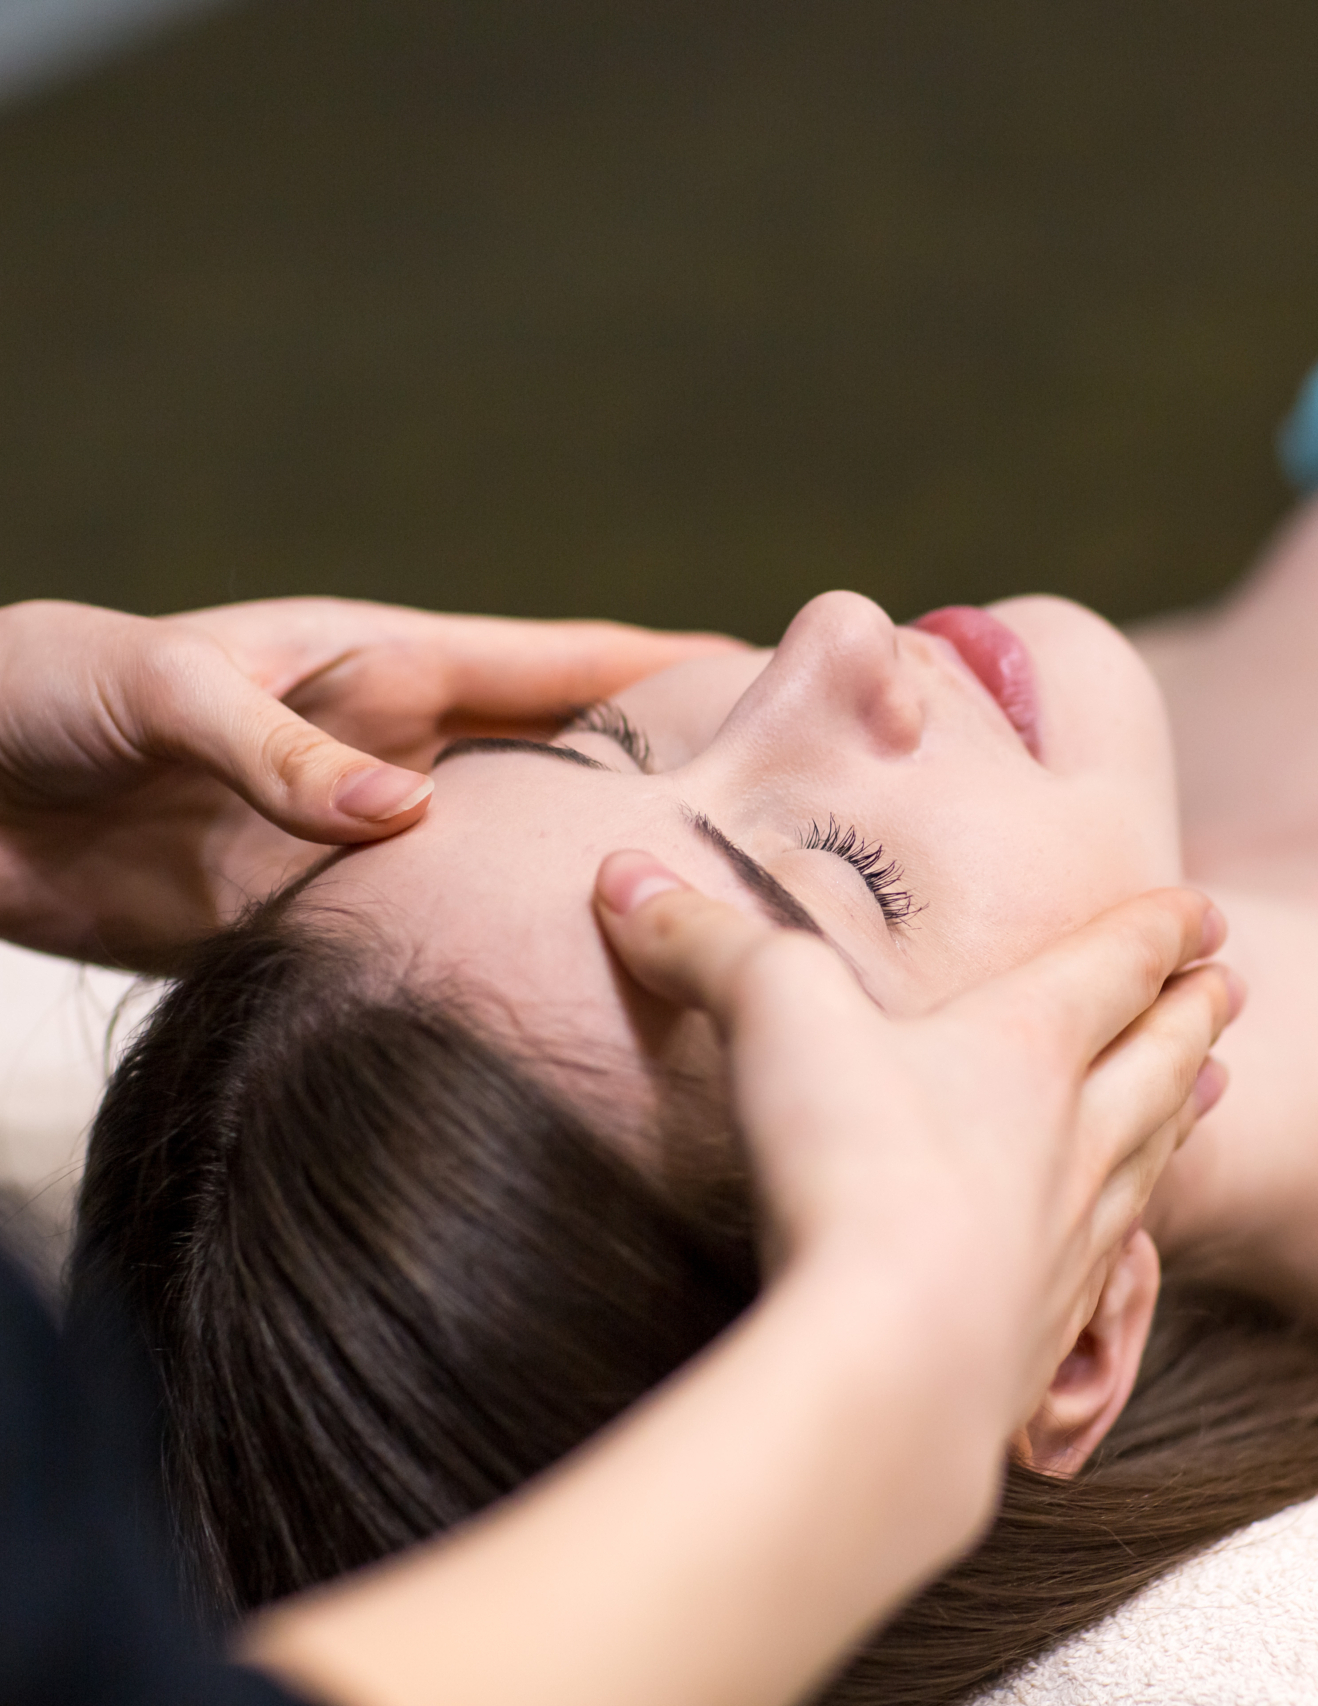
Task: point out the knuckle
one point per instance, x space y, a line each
159 692
174 653
1179 1059
1152 935
290 747
172 669
1191 1017
1152 957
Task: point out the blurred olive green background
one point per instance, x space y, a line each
671 311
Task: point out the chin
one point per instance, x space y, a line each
1100 707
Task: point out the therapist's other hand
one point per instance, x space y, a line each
155 774
998 1150
401 683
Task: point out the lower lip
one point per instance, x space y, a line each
997 656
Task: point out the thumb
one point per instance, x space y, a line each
690 949
196 706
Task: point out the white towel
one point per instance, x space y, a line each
1235 1626
55 1046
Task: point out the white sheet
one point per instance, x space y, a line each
55 1047
1235 1626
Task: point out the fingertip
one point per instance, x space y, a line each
380 794
1237 993
1209 1086
627 879
1201 922
1212 931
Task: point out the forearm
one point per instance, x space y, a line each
724 1543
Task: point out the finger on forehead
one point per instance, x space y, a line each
1084 990
700 952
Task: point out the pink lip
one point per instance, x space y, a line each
997 656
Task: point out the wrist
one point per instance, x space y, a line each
899 1346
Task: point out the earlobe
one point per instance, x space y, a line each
1090 1389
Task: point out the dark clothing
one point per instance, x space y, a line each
89 1615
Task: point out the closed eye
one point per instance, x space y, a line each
882 877
608 720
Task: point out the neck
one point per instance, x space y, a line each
1239 1203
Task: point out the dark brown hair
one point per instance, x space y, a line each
385 1276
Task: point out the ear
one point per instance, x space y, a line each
1090 1389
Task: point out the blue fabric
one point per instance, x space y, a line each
1297 438
88 1614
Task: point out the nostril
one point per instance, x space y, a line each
897 717
843 649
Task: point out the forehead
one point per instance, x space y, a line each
493 887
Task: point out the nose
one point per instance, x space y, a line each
841 660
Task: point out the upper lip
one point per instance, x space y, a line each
1004 675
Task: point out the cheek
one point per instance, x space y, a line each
1000 896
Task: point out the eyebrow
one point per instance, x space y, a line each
780 903
507 743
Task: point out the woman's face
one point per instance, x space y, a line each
1007 815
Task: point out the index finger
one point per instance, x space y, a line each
1095 982
496 667
501 667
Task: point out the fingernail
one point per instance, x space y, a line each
628 880
1237 991
1212 933
385 792
1209 1085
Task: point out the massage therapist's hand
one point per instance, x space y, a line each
155 774
944 1195
1001 1147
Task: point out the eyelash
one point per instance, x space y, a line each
897 904
607 719
881 879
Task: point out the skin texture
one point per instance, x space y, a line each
880 728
